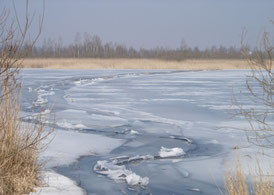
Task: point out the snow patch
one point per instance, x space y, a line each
45 112
133 132
171 152
58 184
133 179
67 125
42 92
195 189
85 82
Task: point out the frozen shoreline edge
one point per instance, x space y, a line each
56 183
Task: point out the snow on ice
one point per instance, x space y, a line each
171 152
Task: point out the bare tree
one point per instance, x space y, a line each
91 46
260 87
58 46
77 45
12 41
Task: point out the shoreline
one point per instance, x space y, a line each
96 63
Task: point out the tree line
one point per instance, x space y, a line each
91 46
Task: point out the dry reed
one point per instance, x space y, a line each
19 144
90 63
258 183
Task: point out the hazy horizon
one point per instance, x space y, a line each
151 23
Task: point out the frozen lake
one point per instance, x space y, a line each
138 131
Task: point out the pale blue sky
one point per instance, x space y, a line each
151 23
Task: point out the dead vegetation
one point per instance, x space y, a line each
236 184
260 87
20 144
92 63
256 182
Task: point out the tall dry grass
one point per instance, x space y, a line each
261 131
91 63
258 183
236 182
19 144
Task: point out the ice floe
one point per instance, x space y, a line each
116 169
119 173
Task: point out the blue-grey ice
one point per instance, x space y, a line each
138 131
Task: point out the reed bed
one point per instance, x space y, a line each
90 63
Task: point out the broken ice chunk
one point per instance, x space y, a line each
133 132
119 173
171 152
134 179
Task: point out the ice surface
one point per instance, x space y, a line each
171 152
214 141
67 146
131 114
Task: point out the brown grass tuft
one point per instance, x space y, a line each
238 184
263 183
